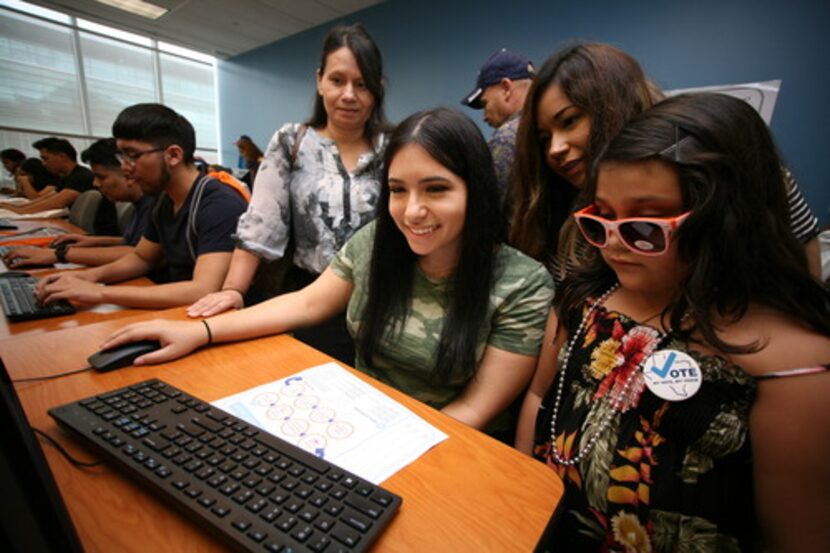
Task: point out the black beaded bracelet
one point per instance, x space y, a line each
210 334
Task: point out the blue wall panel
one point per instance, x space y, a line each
433 48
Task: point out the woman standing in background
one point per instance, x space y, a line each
317 184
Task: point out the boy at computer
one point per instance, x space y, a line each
95 250
189 227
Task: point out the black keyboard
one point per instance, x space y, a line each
255 491
20 304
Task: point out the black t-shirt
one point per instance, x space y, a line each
106 219
219 208
80 180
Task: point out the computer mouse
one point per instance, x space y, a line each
121 356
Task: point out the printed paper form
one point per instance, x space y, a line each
333 414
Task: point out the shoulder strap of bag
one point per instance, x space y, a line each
297 141
225 179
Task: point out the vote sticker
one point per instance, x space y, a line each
672 375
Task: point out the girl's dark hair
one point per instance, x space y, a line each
12 154
369 60
41 178
249 151
455 142
158 125
611 88
737 245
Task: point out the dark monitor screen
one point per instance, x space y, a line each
33 516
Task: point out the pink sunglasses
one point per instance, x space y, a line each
642 235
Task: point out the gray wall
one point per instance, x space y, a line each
432 50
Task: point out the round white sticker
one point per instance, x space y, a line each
672 375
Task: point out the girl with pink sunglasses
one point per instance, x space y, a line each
681 391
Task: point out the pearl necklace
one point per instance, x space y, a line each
616 403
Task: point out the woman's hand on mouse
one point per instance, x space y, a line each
177 339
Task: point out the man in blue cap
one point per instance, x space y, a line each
501 87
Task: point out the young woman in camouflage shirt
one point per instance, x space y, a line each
438 306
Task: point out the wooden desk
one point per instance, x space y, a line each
469 493
84 315
29 224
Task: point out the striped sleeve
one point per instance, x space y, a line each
802 220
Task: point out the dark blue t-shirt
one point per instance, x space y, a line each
138 224
219 208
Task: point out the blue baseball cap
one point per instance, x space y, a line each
503 64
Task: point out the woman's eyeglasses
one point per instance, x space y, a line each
642 235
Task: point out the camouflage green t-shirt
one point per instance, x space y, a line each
515 321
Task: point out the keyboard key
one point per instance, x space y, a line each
345 536
319 544
324 523
302 533
364 506
207 424
241 525
382 498
270 515
256 505
220 511
286 523
189 429
356 521
243 496
180 484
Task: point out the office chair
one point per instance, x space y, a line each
83 210
126 212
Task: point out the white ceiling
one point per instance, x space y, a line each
222 28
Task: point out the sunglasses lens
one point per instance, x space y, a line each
593 230
643 236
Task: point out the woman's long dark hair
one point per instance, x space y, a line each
455 142
606 83
737 245
369 60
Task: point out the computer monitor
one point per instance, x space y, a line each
33 516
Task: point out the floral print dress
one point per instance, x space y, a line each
662 476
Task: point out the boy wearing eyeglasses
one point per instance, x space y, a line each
189 228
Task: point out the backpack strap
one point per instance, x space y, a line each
199 190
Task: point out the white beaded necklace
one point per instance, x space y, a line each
616 403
